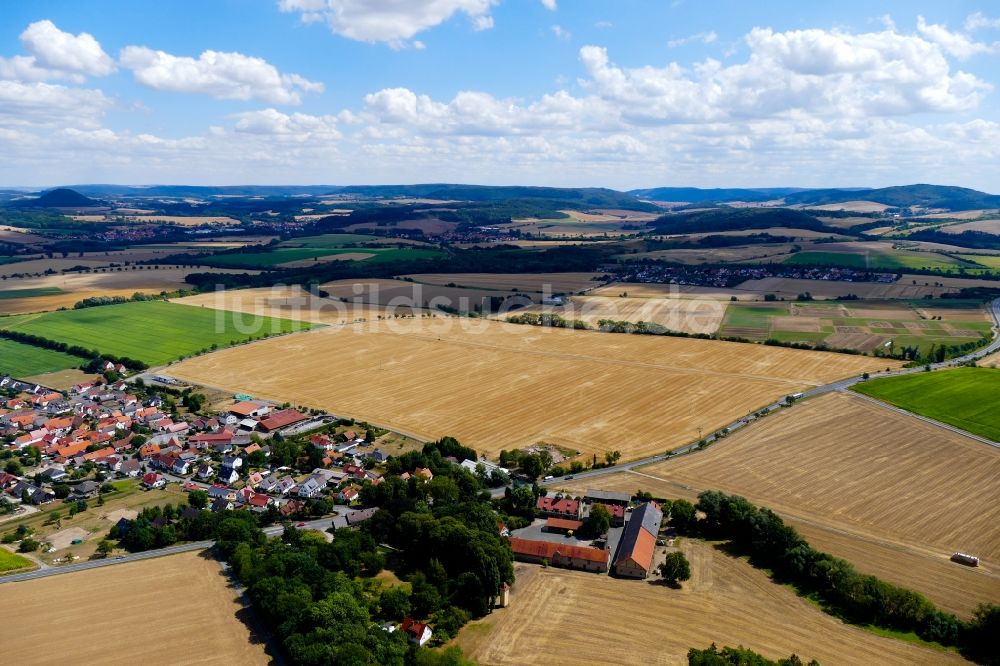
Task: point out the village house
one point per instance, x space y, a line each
152 480
558 507
584 558
418 632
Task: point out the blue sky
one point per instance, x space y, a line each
624 93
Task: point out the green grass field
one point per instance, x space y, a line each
154 332
21 360
284 255
30 293
331 240
989 261
900 260
967 398
12 561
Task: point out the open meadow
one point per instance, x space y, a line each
154 332
181 608
559 616
893 494
499 386
967 398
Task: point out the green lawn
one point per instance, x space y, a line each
12 561
30 293
155 332
21 360
967 398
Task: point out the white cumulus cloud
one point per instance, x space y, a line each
389 21
549 5
54 49
218 74
955 43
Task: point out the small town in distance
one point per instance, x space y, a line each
455 333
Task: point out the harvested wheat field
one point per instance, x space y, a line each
555 283
870 484
496 385
790 288
51 292
181 606
571 617
292 302
678 314
657 290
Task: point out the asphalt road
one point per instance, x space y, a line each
322 524
839 385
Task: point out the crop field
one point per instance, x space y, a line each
152 331
496 385
292 302
50 292
285 256
990 226
879 260
967 398
990 261
556 283
21 360
678 314
861 325
559 616
11 562
770 253
182 220
417 295
196 616
893 494
790 288
657 290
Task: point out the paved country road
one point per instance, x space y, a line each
839 385
274 530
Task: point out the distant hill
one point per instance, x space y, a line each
58 198
584 197
738 219
716 195
903 196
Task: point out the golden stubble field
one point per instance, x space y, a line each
553 282
558 616
77 286
169 610
501 386
894 495
688 315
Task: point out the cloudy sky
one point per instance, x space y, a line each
617 93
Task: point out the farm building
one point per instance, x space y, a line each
638 542
282 419
558 507
616 511
607 497
560 555
562 525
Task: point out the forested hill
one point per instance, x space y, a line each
58 198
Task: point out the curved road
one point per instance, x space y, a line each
840 385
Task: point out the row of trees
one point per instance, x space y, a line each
72 350
730 656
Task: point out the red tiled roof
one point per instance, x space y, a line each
285 417
563 524
642 550
548 550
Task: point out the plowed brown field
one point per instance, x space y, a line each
496 385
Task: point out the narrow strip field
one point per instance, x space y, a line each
11 562
967 398
154 332
180 610
893 494
500 386
558 616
